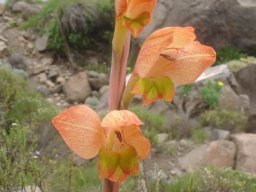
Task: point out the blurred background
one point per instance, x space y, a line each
57 53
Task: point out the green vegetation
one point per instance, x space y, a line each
18 164
213 180
224 119
186 90
19 103
199 135
11 2
152 122
74 23
21 112
210 93
228 54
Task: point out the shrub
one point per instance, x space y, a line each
224 119
76 23
210 93
21 104
228 54
213 180
19 165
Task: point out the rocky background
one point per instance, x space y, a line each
192 132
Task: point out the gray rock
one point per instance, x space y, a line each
219 72
250 126
41 43
53 72
229 100
97 80
18 60
219 134
42 78
162 137
218 153
159 106
92 102
246 77
246 157
233 19
77 88
103 90
43 90
56 88
26 9
39 68
3 49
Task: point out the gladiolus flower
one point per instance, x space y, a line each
135 14
168 57
117 139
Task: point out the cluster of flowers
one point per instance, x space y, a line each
168 57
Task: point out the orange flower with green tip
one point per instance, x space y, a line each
135 14
117 139
168 57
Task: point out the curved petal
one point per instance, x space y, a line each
118 176
133 137
138 14
80 128
186 65
107 163
137 7
120 7
119 118
129 161
156 43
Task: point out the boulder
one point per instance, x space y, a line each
77 88
246 77
97 80
18 61
233 19
26 9
218 153
229 100
246 156
3 49
41 43
161 138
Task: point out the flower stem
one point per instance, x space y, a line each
109 186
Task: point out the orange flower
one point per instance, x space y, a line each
168 57
117 139
135 14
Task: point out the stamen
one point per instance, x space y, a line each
119 136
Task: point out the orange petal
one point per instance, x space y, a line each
120 7
133 137
120 118
107 163
137 7
80 128
118 175
138 14
186 65
156 43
